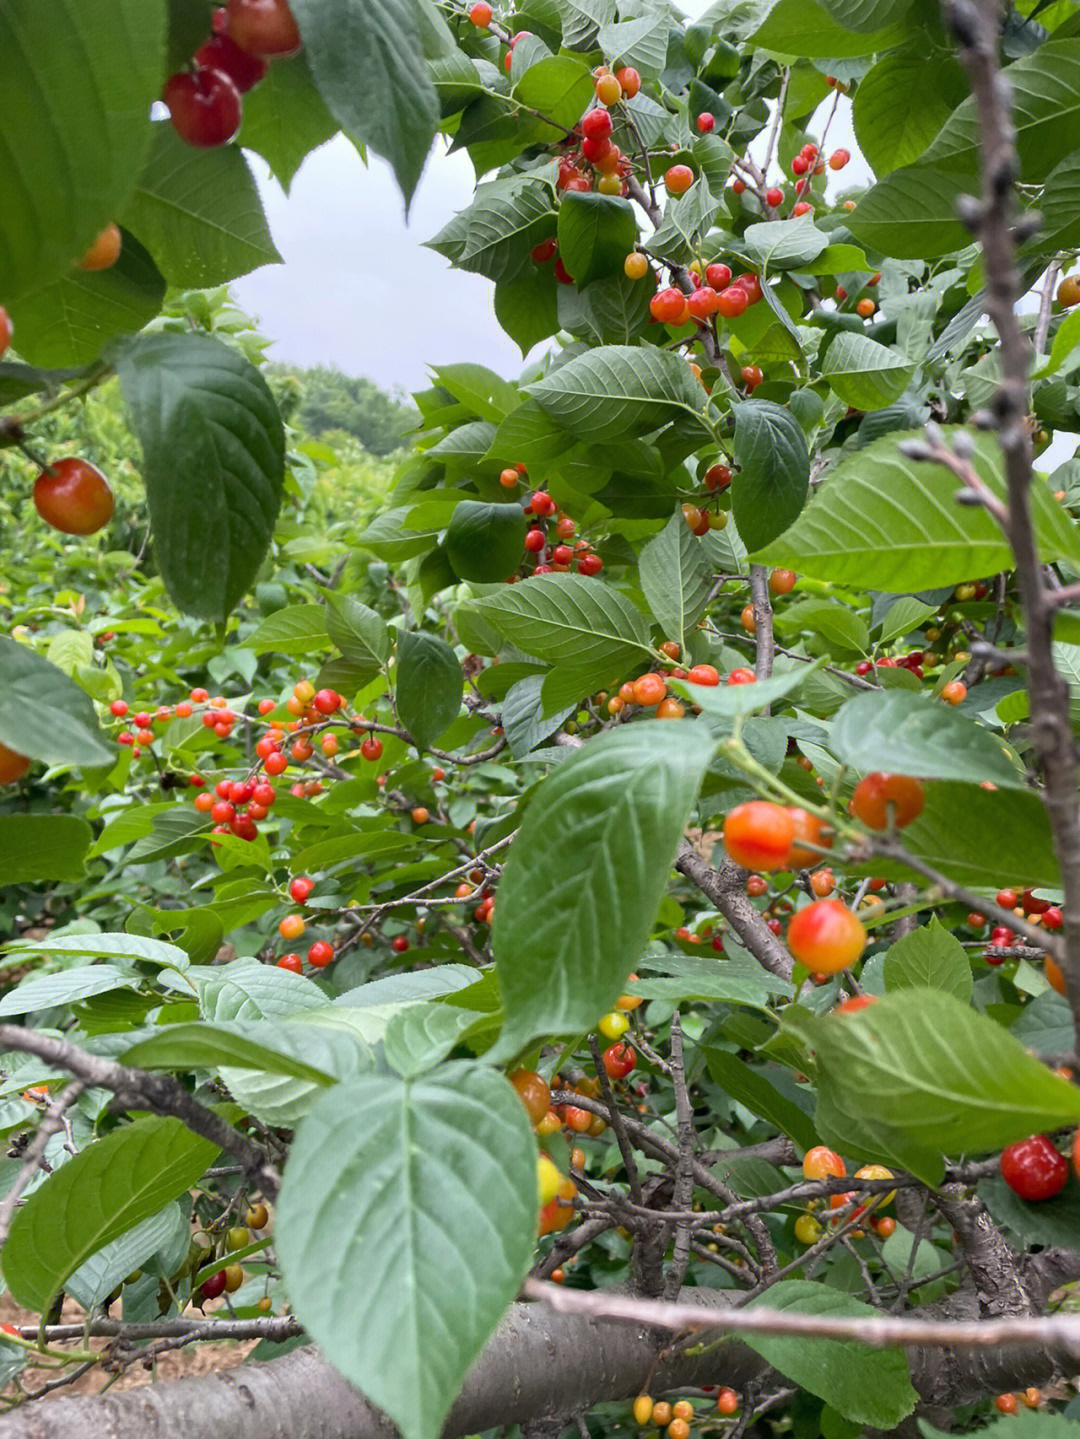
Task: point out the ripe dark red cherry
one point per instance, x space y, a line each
320 954
223 54
1034 1169
73 497
212 1286
204 107
263 27
590 564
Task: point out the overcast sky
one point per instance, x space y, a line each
357 288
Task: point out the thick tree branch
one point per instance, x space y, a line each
726 887
977 27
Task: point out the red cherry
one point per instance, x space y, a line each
774 198
542 504
758 835
717 477
211 1287
801 208
590 564
741 677
732 302
327 702
372 748
534 541
838 159
1008 898
1033 904
223 54
738 186
275 763
1034 1169
399 944
826 936
619 1060
597 124
883 798
480 14
264 794
717 276
6 329
799 165
301 887
562 274
1053 918
263 27
204 107
562 555
291 961
669 306
706 123
541 254
73 497
320 954
752 376
596 150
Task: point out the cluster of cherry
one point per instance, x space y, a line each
204 101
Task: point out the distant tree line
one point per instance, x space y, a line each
322 399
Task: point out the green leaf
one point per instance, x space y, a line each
526 720
1045 90
485 543
771 485
1066 341
736 979
559 86
912 734
912 213
338 1041
70 320
864 374
919 1075
29 687
98 1276
571 620
1050 1222
901 104
804 28
46 991
399 1308
784 244
70 153
976 835
213 461
198 213
428 687
362 636
618 392
675 578
35 848
108 946
837 259
867 1386
527 307
867 15
99 1194
502 225
747 1085
208 1046
248 989
364 59
294 630
641 42
885 522
596 233
837 624
285 118
596 841
929 958
487 394
421 1036
727 701
905 615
